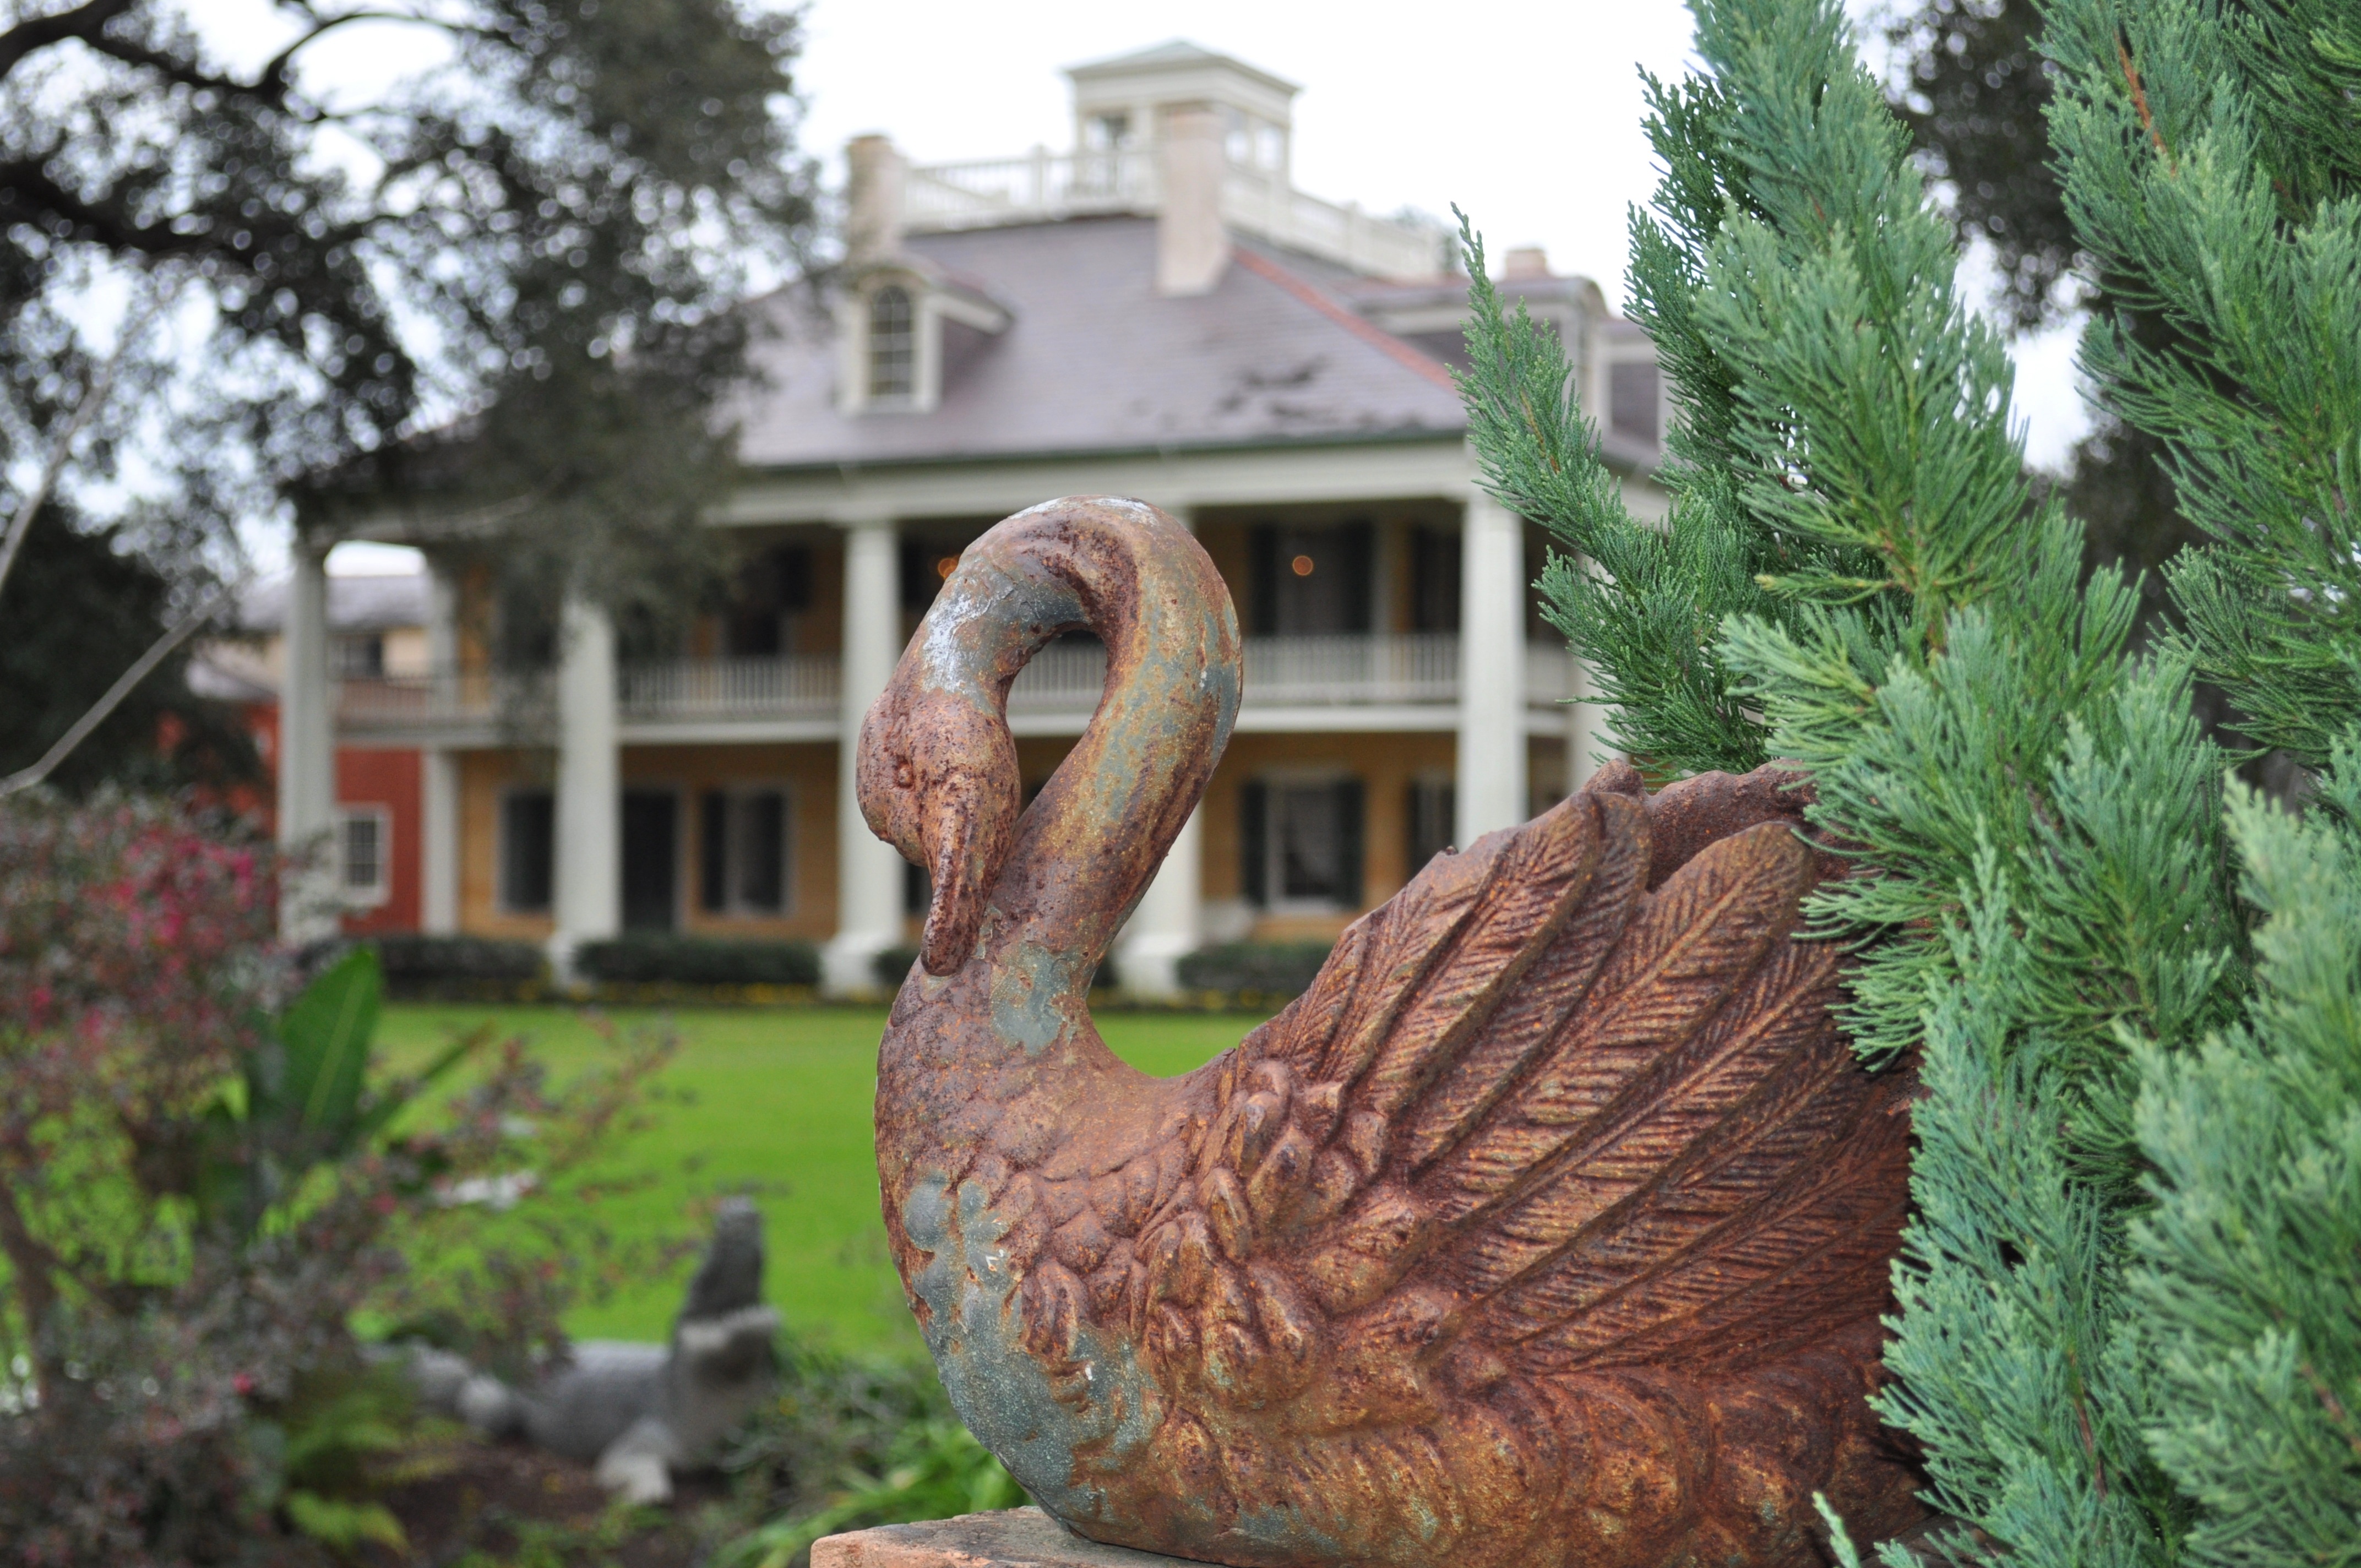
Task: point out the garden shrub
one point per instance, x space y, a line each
850 1442
893 966
422 966
203 1183
1256 971
698 960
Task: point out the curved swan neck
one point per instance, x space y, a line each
1086 849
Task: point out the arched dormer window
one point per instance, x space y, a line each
892 345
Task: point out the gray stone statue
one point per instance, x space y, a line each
640 1412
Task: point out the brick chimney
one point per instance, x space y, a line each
1191 246
873 199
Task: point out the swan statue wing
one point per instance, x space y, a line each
1533 1117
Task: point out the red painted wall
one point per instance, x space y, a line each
390 779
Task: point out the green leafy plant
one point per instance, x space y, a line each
850 1442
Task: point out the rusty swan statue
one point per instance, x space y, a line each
1550 1227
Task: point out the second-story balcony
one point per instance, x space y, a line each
1396 681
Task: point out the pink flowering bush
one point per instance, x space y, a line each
202 1186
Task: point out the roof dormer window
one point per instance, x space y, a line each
905 331
892 346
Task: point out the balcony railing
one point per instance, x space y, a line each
803 685
1413 669
987 193
385 704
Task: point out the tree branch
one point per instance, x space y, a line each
37 33
25 778
94 398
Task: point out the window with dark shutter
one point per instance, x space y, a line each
1253 821
1431 806
713 851
528 849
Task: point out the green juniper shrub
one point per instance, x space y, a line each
2119 1337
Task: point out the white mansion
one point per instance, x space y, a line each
1159 313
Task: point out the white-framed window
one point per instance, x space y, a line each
365 854
892 346
1301 838
745 844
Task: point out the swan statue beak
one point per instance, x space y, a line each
937 780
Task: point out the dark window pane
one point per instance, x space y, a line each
762 850
528 829
1311 581
1432 805
1631 396
713 850
1434 580
1254 820
1307 843
651 859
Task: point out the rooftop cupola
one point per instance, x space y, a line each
1124 102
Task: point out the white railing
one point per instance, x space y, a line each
1264 204
372 704
1410 669
802 685
1045 185
987 192
1281 672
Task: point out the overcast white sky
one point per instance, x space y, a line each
1526 114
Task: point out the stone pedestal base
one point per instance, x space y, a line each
1013 1538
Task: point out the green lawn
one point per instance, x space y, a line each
778 1099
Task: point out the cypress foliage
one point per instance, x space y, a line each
2108 1306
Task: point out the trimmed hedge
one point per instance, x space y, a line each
892 967
412 961
698 960
1254 969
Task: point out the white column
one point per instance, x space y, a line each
1491 785
308 904
1166 925
438 813
438 840
868 870
1587 740
589 862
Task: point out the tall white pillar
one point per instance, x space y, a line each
1587 740
1491 785
868 870
1168 925
588 894
308 904
438 813
438 840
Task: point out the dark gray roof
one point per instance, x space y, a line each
372 603
1095 360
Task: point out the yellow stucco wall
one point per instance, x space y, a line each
807 773
484 778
